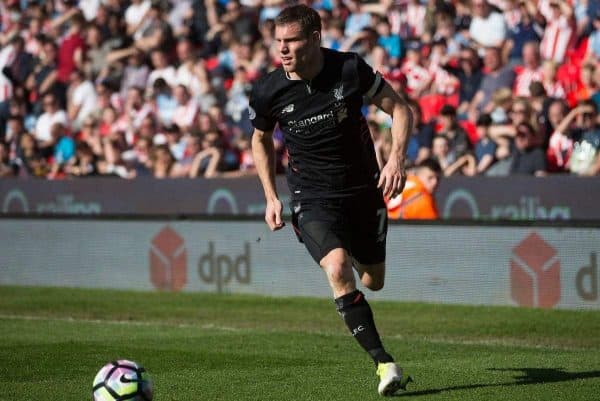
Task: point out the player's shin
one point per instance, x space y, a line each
357 314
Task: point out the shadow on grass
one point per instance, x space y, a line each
524 376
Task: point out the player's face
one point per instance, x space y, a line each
295 49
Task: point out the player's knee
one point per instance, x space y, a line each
374 284
338 267
339 272
372 276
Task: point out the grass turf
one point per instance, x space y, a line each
232 347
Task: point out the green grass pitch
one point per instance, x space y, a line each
232 347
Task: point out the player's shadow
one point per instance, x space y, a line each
524 376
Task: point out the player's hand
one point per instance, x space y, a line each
273 215
392 178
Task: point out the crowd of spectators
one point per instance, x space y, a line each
132 88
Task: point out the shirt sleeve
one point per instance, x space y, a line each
370 82
259 110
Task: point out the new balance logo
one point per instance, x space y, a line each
288 109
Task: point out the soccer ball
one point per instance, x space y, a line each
122 380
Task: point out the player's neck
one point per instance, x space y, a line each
311 70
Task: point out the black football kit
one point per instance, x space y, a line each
332 172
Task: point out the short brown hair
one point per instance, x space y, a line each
307 17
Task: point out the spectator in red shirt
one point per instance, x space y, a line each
558 33
71 49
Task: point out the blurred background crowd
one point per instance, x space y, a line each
160 88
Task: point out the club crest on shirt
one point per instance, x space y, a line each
338 92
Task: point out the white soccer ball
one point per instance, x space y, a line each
122 380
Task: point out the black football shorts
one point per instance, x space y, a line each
357 224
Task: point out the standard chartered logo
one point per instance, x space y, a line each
311 120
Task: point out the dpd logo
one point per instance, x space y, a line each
222 269
535 273
588 291
168 260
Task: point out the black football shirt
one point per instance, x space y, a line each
331 153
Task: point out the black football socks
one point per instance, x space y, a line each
357 314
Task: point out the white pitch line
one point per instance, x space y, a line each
495 341
211 326
138 323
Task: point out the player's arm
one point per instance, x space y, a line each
263 151
393 174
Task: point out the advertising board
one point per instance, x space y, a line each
492 265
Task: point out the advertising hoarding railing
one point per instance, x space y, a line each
553 198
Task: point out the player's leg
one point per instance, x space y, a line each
358 316
337 266
324 232
368 239
371 275
391 376
368 247
351 303
368 233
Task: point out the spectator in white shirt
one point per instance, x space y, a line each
186 72
81 98
488 27
135 15
161 69
51 115
187 109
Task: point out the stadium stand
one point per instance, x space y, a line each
160 88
